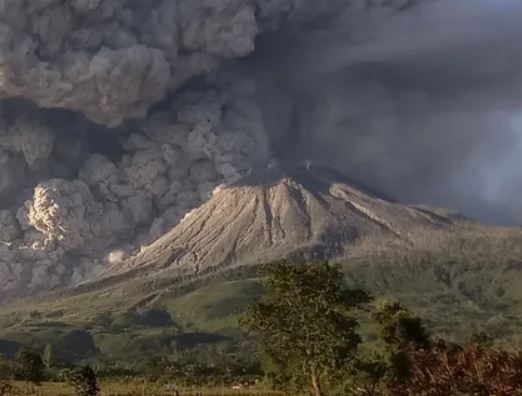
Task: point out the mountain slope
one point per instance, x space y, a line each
306 213
461 276
471 283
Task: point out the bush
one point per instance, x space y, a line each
83 379
7 370
75 345
155 318
6 389
476 370
30 367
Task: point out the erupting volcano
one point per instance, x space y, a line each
303 213
134 133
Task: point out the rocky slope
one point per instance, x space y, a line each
306 213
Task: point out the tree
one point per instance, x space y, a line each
7 369
446 370
155 318
418 366
306 321
83 379
482 339
48 356
398 328
401 333
30 366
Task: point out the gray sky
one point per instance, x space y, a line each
425 104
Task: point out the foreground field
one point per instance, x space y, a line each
134 388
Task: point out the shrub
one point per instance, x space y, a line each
30 367
6 389
155 318
83 379
476 370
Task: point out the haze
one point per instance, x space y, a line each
423 104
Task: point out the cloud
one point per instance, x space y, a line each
118 117
418 103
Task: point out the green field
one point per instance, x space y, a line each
132 388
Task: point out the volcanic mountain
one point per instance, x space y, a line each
203 273
304 213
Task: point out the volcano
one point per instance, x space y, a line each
303 213
204 271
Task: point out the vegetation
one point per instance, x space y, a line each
48 356
451 370
30 367
467 292
401 333
307 327
306 322
131 387
6 388
83 379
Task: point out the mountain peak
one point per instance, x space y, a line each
314 177
306 212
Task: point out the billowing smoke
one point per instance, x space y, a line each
422 100
117 117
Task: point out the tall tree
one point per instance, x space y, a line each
401 332
30 366
306 320
48 356
399 328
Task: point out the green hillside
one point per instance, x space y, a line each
472 283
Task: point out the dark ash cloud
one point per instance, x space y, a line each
423 103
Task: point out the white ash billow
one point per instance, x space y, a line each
166 165
74 72
66 204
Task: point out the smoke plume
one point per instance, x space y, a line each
117 117
421 101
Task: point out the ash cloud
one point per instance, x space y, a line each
117 117
421 101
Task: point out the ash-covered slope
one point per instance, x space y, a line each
303 214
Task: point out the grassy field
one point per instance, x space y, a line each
135 388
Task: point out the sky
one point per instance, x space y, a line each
424 104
